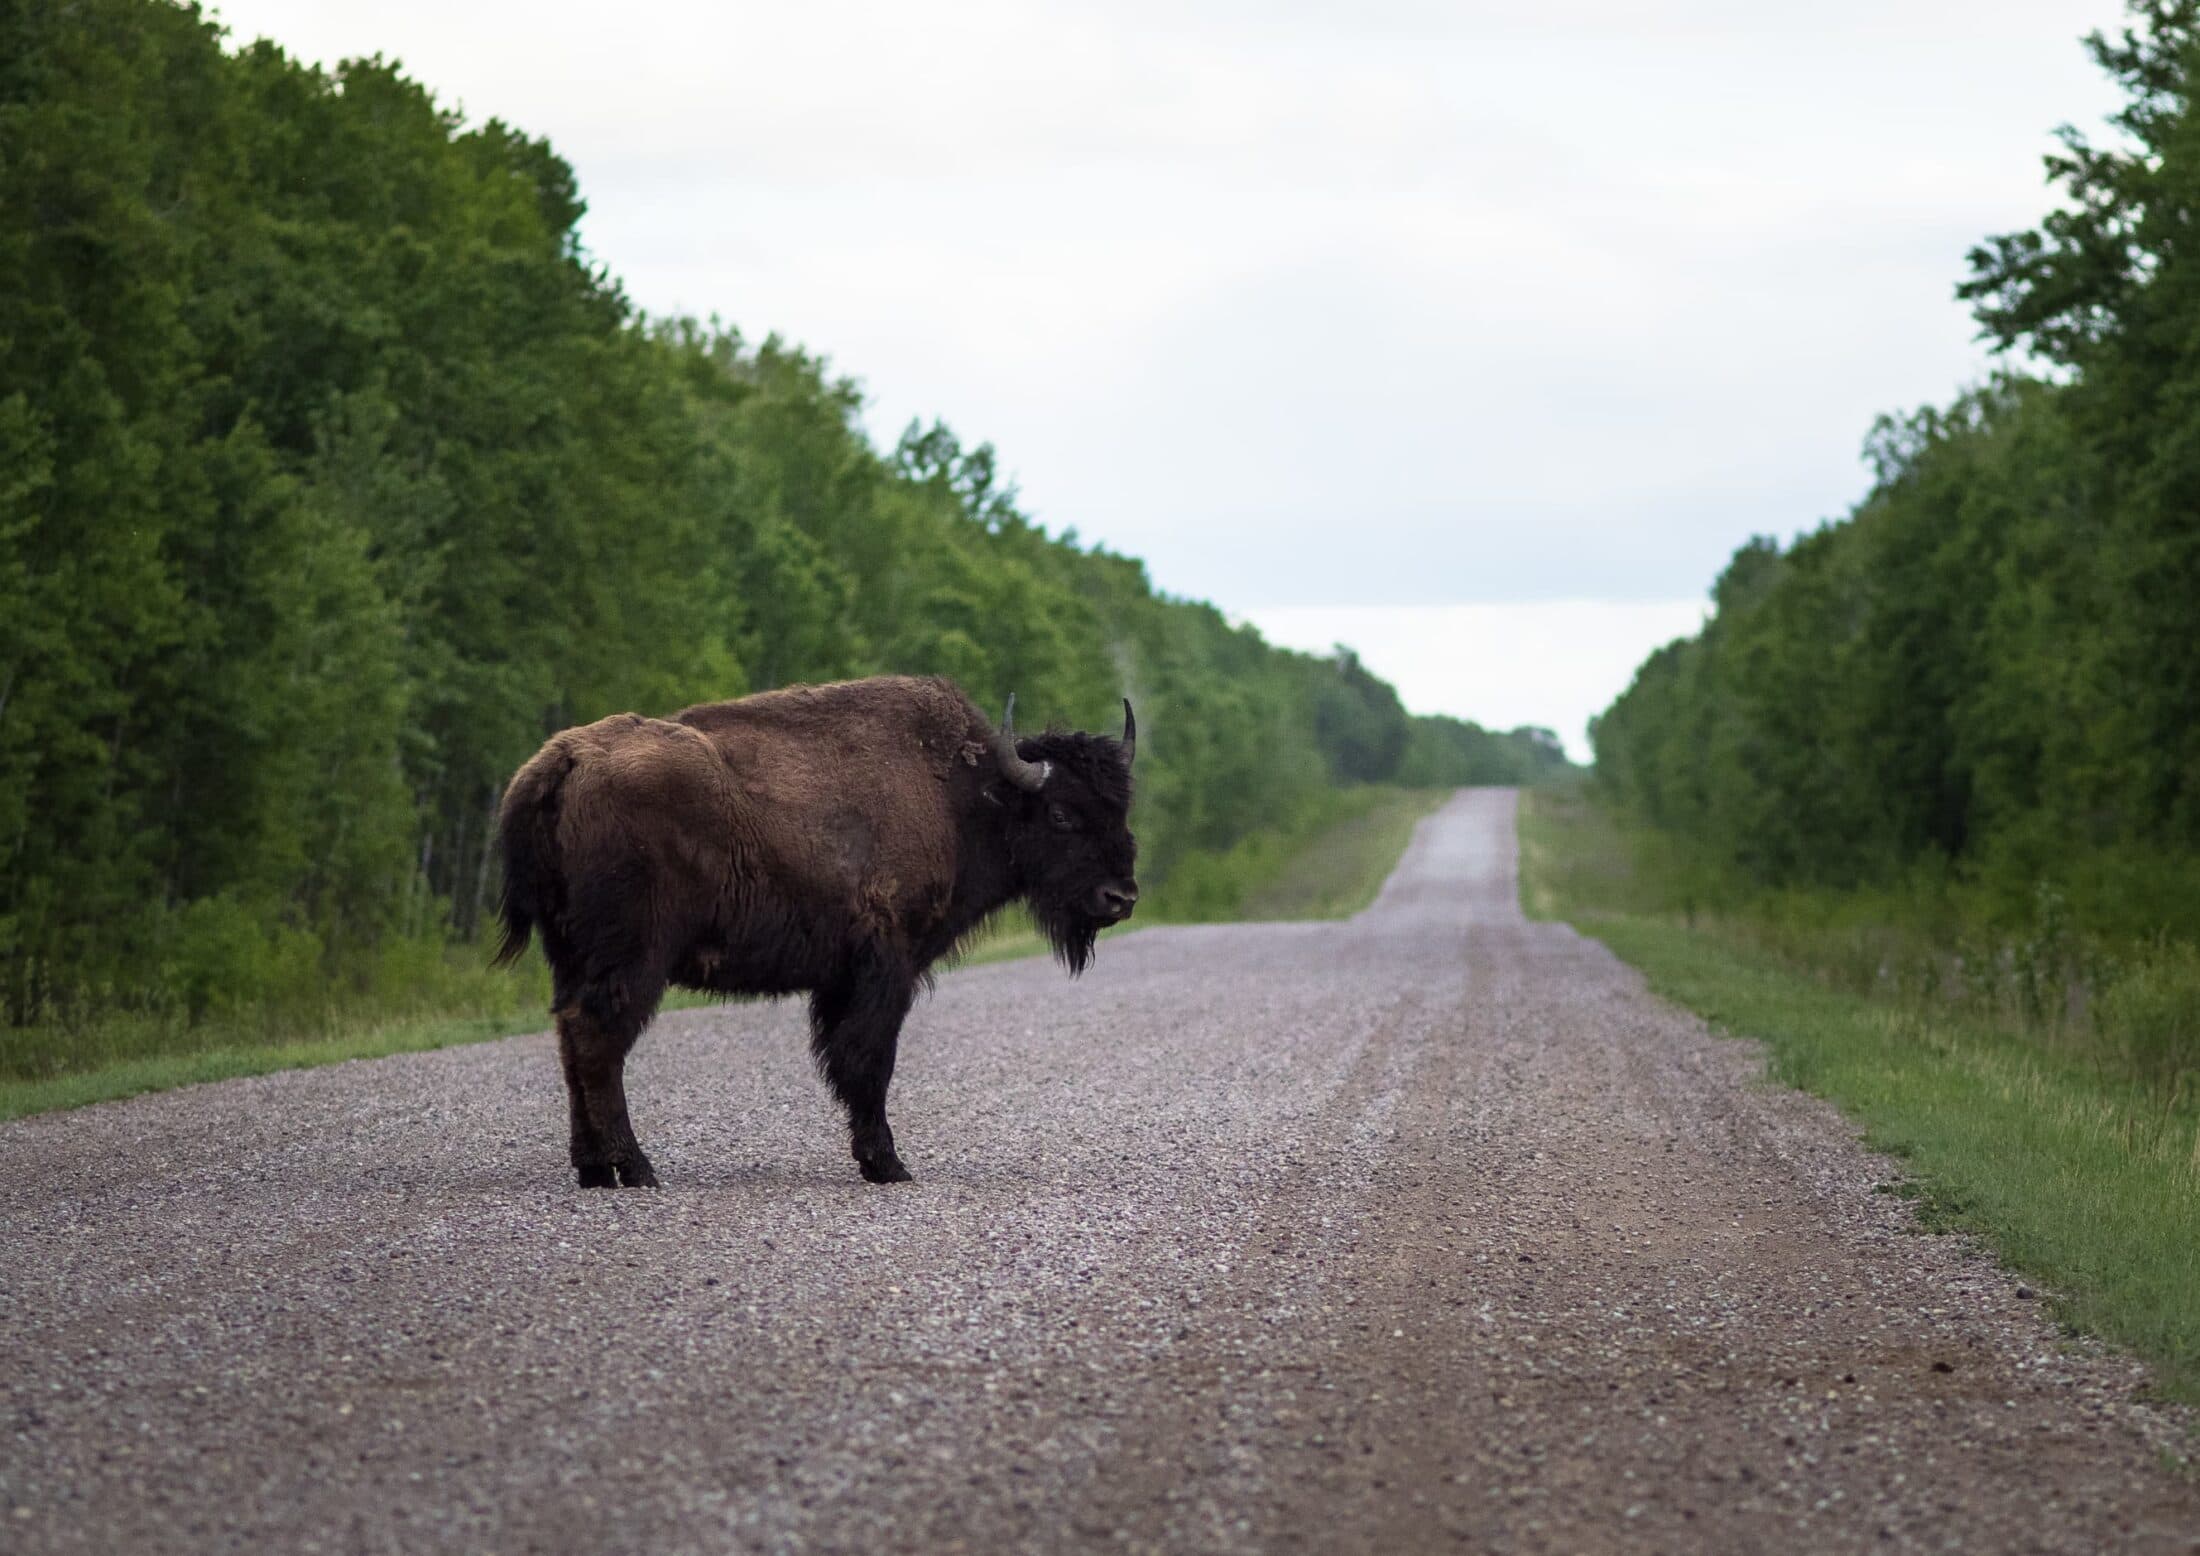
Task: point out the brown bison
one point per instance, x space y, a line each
829 840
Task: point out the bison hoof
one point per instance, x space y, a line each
638 1174
884 1169
597 1175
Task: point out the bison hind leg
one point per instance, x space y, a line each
594 1037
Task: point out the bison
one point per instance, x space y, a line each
829 840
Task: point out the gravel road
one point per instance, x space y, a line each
1428 1231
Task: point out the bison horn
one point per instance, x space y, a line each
1129 742
1028 776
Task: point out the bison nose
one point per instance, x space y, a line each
1117 901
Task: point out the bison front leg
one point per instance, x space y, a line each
855 1025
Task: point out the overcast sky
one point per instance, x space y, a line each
1476 334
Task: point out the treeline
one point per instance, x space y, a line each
1441 752
1988 674
334 475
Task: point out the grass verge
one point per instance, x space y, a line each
225 1053
1339 871
1333 870
2082 1177
1328 865
161 1071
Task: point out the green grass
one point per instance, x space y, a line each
1331 870
2080 1175
1328 864
1339 871
161 1071
123 1056
1009 938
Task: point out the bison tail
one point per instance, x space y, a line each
527 839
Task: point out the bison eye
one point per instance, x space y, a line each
1059 819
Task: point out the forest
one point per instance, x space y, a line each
1971 707
335 474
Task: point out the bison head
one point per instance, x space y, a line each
1068 797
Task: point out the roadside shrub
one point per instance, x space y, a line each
220 957
426 975
2151 1013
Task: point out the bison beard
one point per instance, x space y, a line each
829 840
1069 934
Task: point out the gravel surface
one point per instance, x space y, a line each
1428 1231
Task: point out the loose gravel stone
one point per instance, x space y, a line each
1427 1231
